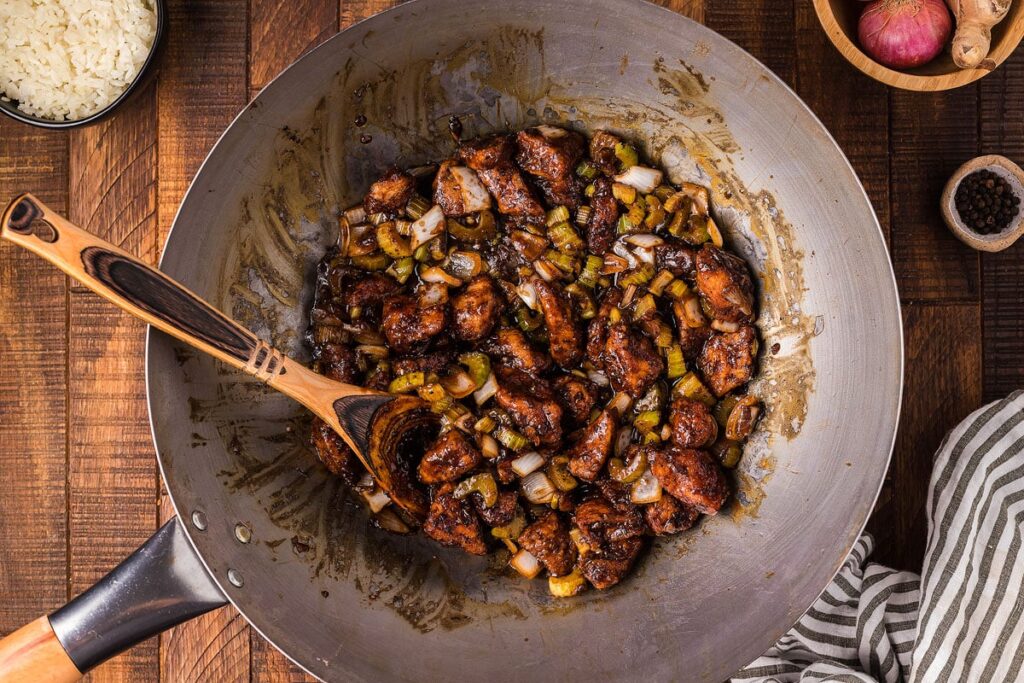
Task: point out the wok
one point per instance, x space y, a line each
263 525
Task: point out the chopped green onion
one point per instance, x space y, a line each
588 308
697 231
401 269
723 408
484 231
678 202
583 215
565 238
655 217
377 218
483 484
676 362
559 214
677 226
371 262
567 586
403 384
640 276
647 421
624 225
624 193
511 439
660 281
526 320
690 386
627 155
393 244
485 424
564 262
479 366
651 438
558 473
422 253
614 316
628 471
587 170
432 392
677 289
589 190
728 453
591 269
511 530
416 207
645 305
663 192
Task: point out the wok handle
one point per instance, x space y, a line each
160 585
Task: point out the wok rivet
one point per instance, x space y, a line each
235 578
243 533
199 520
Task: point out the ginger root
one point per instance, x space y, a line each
974 22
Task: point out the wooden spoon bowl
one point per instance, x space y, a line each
839 18
1009 171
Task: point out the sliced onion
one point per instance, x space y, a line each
474 194
433 293
646 489
529 246
723 326
485 392
365 483
620 249
363 334
376 499
459 384
376 351
622 440
435 274
620 403
642 178
699 195
666 432
613 264
691 312
628 295
389 521
526 564
551 132
645 240
547 270
527 463
528 293
344 236
464 264
489 446
355 215
427 227
597 377
645 255
537 488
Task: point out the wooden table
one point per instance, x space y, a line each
79 487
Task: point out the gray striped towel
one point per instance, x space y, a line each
961 619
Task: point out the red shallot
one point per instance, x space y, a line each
905 33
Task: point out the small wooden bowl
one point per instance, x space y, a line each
1013 174
839 19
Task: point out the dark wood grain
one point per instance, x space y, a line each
932 134
943 385
112 474
1002 132
281 32
33 393
764 28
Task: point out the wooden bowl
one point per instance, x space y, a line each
1013 175
839 19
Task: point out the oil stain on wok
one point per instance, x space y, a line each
321 167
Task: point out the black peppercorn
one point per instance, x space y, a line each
986 202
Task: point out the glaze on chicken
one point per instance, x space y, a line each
580 329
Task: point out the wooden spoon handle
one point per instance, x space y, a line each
32 654
146 293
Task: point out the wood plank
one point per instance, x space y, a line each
1002 132
112 470
281 31
33 391
198 98
943 385
932 134
765 28
690 8
852 106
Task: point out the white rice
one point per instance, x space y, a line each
67 59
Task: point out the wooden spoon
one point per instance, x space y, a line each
374 424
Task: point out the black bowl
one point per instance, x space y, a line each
11 108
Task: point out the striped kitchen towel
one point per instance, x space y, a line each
961 619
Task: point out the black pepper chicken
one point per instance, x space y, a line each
579 327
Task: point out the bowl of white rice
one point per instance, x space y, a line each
67 63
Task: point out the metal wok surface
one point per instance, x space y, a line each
350 602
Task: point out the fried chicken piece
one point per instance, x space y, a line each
390 194
336 361
499 514
491 158
532 406
548 540
723 280
678 258
597 332
604 214
631 361
549 152
514 349
601 523
448 458
334 453
588 455
669 516
577 395
727 360
405 323
692 476
476 309
370 289
617 493
693 425
602 152
566 192
452 522
564 334
606 568
436 360
458 190
693 339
